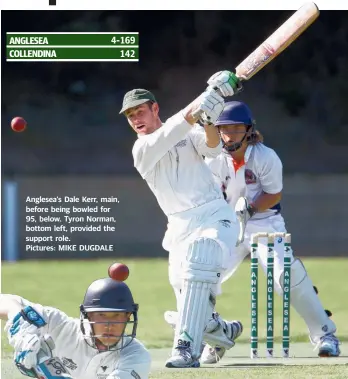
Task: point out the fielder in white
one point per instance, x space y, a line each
202 229
250 175
99 345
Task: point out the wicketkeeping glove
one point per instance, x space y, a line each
26 355
243 211
35 359
28 320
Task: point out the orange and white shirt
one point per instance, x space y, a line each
261 171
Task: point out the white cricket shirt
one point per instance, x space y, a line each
81 360
171 162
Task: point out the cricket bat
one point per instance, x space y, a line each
285 35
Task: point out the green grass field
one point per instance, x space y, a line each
62 284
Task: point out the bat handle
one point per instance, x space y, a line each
199 112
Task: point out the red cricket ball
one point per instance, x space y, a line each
18 124
118 271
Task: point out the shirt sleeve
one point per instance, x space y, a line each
198 138
149 149
136 364
271 173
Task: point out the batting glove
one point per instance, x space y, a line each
226 82
212 104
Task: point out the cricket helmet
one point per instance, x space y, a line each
108 295
235 113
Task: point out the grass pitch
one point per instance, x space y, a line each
62 284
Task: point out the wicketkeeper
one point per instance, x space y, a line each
248 168
101 344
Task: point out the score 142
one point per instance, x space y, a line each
128 54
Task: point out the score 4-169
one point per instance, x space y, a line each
123 40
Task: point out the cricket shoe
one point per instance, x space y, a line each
231 330
182 354
329 346
171 318
211 355
182 358
218 332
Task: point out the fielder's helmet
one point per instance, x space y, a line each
108 295
234 113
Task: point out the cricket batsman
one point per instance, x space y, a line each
101 344
202 229
250 175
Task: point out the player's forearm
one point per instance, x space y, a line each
212 136
9 306
266 201
189 111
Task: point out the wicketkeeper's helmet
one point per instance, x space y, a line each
108 295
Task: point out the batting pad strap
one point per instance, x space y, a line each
201 276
